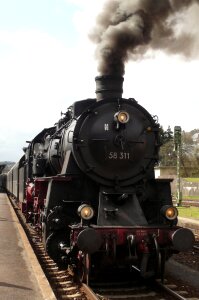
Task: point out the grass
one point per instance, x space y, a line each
190 198
188 212
191 179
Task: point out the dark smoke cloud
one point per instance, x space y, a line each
128 28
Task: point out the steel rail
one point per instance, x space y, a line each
170 291
89 292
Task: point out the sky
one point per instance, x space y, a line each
47 62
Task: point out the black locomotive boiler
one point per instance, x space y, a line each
88 185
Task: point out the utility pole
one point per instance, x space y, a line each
177 148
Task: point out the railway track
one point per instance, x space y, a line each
61 281
64 287
191 203
196 245
155 291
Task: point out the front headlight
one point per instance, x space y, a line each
169 212
85 211
122 117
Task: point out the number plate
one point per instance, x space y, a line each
119 155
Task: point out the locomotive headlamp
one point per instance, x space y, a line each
121 117
169 212
85 211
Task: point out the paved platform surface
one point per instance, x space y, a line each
190 223
20 275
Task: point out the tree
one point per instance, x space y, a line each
166 136
189 152
167 154
190 155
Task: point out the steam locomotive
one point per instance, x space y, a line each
87 184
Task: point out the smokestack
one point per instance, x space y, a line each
109 86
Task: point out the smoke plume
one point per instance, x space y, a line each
127 29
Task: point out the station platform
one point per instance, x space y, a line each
189 223
21 276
